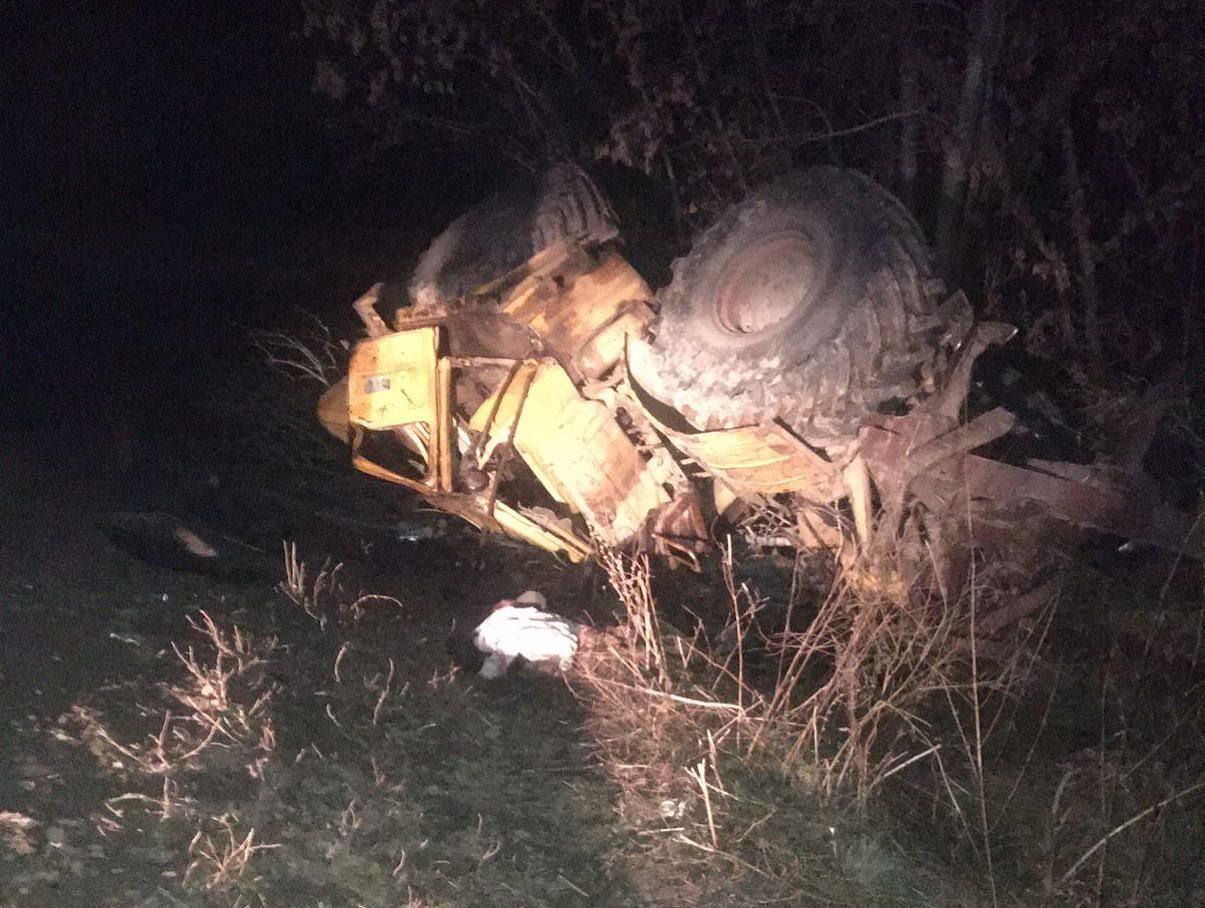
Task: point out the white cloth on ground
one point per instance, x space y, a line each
520 627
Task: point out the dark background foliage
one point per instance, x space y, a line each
1052 151
177 172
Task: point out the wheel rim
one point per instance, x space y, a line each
765 285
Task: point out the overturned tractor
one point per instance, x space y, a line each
804 355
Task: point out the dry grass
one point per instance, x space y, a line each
225 698
219 864
665 734
851 705
226 693
861 672
325 597
1121 823
311 354
316 597
740 773
632 582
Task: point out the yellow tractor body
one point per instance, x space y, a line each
529 409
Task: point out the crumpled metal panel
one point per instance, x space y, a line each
1089 499
497 517
575 448
760 460
392 379
582 310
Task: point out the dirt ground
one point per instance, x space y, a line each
346 761
180 738
384 780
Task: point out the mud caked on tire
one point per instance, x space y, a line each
502 233
812 302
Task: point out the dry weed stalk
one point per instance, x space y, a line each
212 694
211 683
882 645
632 581
1122 827
357 608
661 744
235 656
298 589
218 689
849 707
317 356
745 605
293 586
1116 830
221 865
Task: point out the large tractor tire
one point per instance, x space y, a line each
812 302
500 234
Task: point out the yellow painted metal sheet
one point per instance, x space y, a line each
576 449
763 459
588 321
332 409
474 509
501 419
550 538
392 379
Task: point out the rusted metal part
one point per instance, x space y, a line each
500 518
483 435
819 529
1131 425
559 260
679 526
503 461
1110 510
604 346
365 307
473 362
909 445
584 311
963 438
660 461
1017 608
1098 505
505 438
949 400
903 448
758 460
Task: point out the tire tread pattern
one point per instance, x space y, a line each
892 326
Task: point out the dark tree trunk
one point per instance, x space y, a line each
960 143
1089 298
909 101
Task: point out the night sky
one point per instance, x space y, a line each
168 174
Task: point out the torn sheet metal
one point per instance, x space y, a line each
575 448
1097 504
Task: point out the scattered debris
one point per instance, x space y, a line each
13 831
164 540
413 531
